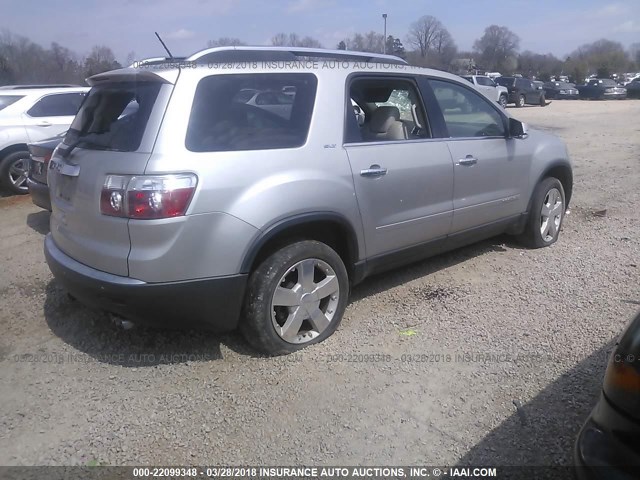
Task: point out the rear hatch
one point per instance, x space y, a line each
112 134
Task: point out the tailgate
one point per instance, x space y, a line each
113 134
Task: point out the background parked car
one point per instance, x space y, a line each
609 438
486 85
560 91
30 114
37 180
633 89
601 89
522 91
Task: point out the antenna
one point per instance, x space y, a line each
165 47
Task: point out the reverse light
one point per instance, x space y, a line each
147 196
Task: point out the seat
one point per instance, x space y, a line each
385 124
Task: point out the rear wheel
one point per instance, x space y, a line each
296 297
546 215
14 169
520 101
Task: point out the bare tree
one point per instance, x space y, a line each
294 40
423 32
602 57
497 48
225 42
101 59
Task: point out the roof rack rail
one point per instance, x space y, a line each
48 85
243 53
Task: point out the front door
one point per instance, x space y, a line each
490 170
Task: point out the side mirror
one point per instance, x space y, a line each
517 129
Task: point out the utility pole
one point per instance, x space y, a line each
384 42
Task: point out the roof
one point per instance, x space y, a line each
34 87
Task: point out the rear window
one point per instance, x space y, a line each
114 116
6 100
505 81
250 112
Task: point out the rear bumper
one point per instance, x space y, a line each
210 304
39 194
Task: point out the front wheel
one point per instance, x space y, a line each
296 297
546 215
503 101
520 101
14 169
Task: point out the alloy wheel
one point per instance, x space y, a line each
18 173
551 215
305 301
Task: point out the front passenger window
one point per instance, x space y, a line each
466 113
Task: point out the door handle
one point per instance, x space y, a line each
468 161
43 123
373 171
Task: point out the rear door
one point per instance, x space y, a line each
51 115
403 181
113 134
490 170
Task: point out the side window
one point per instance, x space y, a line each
392 110
225 116
485 82
57 105
466 113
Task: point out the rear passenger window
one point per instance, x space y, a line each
251 112
466 113
391 109
59 105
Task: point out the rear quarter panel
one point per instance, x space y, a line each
262 187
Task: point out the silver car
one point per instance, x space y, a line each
202 210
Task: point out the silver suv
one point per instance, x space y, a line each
28 114
208 208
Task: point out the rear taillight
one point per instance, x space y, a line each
147 197
47 157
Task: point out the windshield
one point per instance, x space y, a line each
6 100
113 116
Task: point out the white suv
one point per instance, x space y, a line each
30 113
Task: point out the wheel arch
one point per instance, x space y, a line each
328 227
560 169
18 147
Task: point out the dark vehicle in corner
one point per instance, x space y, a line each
522 91
560 91
633 89
608 445
602 89
41 153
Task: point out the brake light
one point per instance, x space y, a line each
47 157
147 197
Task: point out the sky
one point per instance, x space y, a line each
544 26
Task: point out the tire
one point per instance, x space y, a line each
503 101
520 101
548 196
294 271
14 169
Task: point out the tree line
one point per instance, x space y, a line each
428 44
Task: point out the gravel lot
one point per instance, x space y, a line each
507 346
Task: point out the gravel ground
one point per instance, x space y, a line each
491 355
